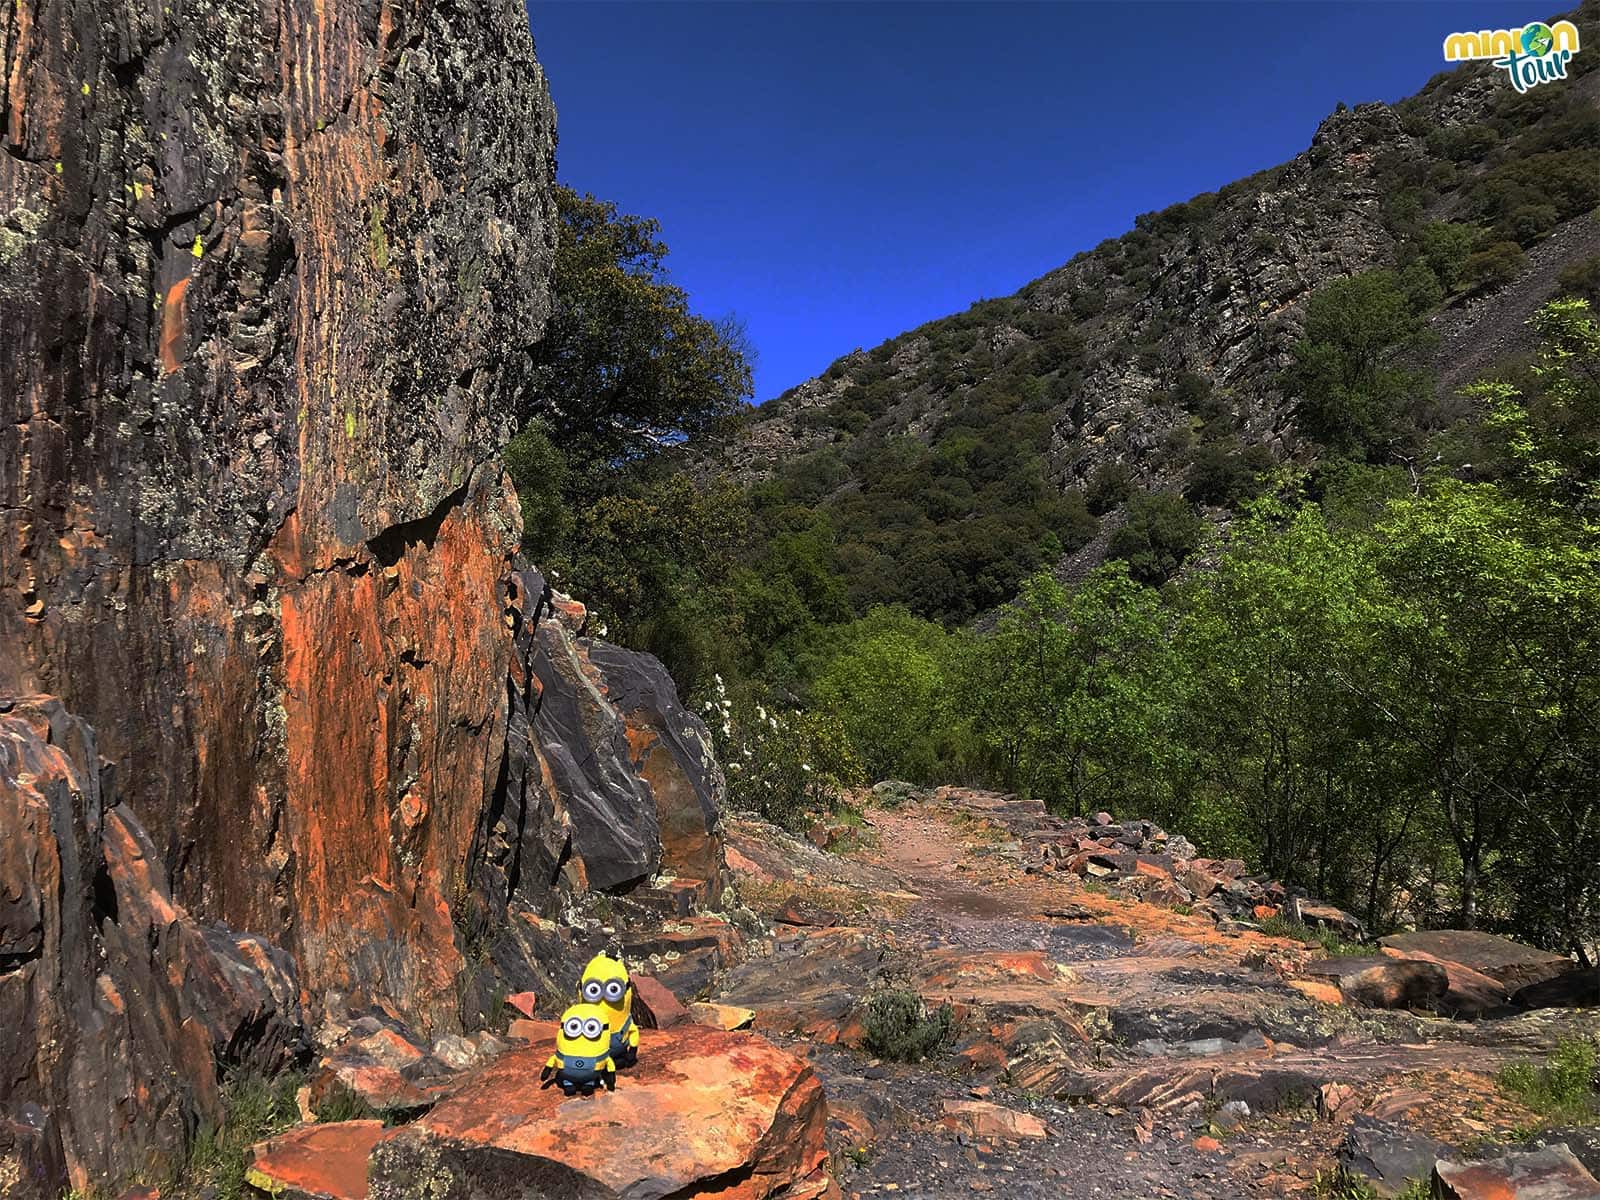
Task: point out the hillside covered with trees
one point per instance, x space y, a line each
1273 519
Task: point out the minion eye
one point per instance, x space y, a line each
592 990
591 1028
574 1027
614 990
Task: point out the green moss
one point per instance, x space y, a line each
377 240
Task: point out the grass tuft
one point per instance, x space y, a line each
1562 1090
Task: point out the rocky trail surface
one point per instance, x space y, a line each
1103 1045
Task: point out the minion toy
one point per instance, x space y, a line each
605 983
582 1061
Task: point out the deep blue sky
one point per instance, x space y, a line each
834 174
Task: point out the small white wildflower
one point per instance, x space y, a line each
727 731
805 766
761 712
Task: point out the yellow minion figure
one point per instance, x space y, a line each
605 984
582 1061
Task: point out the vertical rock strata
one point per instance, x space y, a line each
267 273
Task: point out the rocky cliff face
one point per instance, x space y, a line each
267 278
267 271
1213 289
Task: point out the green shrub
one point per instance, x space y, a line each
1161 532
1494 266
1581 280
1110 484
784 766
1561 1090
901 1029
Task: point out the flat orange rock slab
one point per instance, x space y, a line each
316 1162
1549 1174
728 1113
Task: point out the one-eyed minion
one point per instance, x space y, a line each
605 983
582 1061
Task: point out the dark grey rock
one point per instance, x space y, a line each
1388 1156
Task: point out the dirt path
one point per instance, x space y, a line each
1096 1036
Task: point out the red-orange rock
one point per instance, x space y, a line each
274 579
655 1006
721 1016
1468 993
523 1002
119 1009
1207 1145
704 1113
1381 982
982 1119
1265 912
1506 962
1549 1174
316 1162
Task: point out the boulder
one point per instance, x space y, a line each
1508 963
1389 1157
672 752
1577 988
1316 915
1549 1174
1379 982
582 743
1468 993
109 987
721 1016
704 1113
316 1162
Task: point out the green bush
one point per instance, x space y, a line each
1161 532
900 1028
1110 484
1581 281
1494 266
786 767
1560 1090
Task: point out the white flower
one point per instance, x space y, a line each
761 712
727 731
805 766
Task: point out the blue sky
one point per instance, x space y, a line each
833 174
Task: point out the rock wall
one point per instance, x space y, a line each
267 271
119 1008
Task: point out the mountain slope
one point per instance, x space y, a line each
978 447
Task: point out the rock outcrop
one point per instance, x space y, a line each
705 1113
119 1008
269 278
268 274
